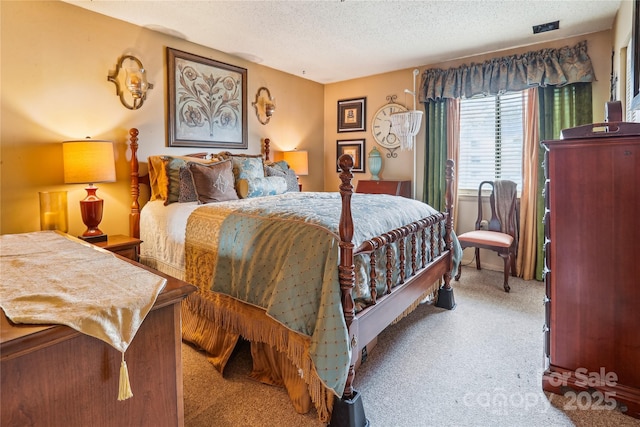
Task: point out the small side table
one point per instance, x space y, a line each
128 247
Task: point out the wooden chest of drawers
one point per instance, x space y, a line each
394 188
591 268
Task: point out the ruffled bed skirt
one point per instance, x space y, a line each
280 356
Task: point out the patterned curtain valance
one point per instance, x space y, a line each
546 67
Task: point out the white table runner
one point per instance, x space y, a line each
50 278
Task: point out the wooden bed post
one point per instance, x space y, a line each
267 143
445 293
134 215
348 411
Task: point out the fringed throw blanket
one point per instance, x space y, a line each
294 280
50 278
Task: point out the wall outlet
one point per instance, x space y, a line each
484 224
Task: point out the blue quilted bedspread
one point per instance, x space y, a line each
295 276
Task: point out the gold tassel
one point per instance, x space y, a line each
124 389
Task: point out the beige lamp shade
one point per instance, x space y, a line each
298 161
88 162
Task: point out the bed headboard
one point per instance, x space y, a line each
137 178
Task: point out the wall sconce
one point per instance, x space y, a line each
88 161
265 105
135 80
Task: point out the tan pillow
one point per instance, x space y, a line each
214 182
158 179
164 174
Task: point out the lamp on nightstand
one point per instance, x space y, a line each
299 162
88 162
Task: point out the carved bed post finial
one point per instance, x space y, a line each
346 269
134 216
267 142
350 407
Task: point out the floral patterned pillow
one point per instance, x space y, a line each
245 167
261 186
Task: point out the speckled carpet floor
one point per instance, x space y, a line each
478 365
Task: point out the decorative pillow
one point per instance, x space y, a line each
159 175
172 167
289 175
173 164
187 191
270 170
261 186
282 165
158 180
213 183
245 167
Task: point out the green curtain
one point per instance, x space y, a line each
433 190
560 108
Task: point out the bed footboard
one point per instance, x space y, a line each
425 267
413 282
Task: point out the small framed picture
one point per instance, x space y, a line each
355 148
351 115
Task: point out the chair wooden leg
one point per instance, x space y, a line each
513 264
507 266
478 259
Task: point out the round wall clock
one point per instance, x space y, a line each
382 129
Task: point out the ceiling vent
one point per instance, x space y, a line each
543 28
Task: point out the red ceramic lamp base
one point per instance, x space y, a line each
91 210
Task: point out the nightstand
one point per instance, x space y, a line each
395 188
128 247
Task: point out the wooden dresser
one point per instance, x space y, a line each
592 271
56 376
395 188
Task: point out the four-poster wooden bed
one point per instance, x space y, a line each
399 268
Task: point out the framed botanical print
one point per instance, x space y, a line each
355 148
207 102
351 115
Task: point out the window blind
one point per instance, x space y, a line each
631 115
491 135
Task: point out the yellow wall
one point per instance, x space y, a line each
55 61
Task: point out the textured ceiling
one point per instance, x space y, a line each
330 41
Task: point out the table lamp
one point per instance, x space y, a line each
299 162
88 162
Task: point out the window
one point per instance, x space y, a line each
491 134
631 115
